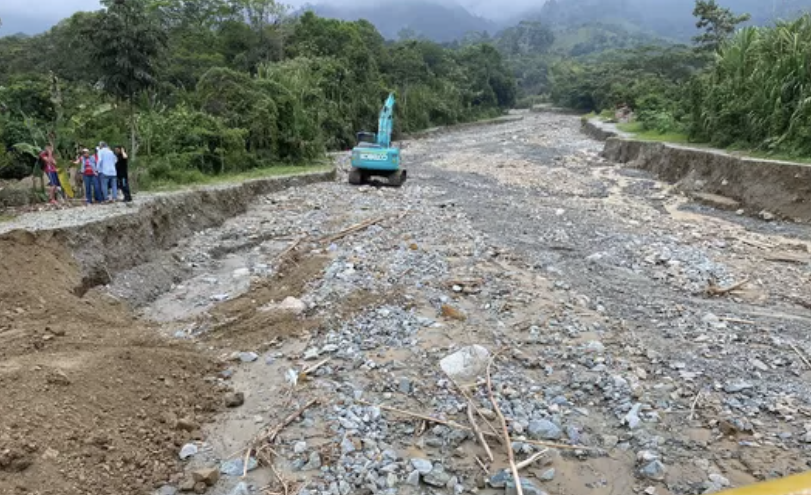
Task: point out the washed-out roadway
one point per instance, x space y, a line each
588 280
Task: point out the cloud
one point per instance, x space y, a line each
45 8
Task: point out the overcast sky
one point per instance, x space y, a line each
31 16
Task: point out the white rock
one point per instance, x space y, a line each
187 451
466 363
757 363
293 305
632 419
719 480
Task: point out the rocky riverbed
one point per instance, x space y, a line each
635 342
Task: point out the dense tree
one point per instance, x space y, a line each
126 44
717 22
526 38
224 85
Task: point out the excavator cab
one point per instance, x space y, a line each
367 138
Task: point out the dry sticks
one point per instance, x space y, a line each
479 433
508 443
454 424
351 230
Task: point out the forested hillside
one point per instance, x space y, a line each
412 19
227 85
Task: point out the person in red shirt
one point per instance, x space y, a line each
87 167
49 167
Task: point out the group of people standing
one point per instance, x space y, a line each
103 172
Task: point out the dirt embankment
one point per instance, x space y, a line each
760 187
93 401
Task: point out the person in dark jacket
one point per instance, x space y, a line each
122 172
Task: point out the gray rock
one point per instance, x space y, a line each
527 487
758 364
241 489
610 441
413 478
719 480
344 488
547 475
348 424
543 429
166 490
248 357
500 479
737 386
423 466
466 364
234 399
654 470
405 385
392 480
300 447
632 419
438 477
187 451
236 467
313 463
347 446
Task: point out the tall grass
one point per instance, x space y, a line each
758 92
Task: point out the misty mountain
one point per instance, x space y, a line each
437 21
668 18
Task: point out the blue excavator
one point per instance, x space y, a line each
374 154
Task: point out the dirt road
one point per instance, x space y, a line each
588 282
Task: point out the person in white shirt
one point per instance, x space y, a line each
107 173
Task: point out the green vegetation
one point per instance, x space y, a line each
210 88
196 178
639 132
748 89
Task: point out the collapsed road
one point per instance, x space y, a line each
336 339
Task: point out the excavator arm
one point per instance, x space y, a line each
385 124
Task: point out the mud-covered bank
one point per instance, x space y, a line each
139 236
759 186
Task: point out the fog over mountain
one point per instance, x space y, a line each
444 20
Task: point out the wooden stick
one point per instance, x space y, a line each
314 368
355 228
521 465
802 356
738 320
754 243
454 424
510 455
479 434
430 419
271 437
278 477
478 411
693 405
481 465
290 248
714 290
245 462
